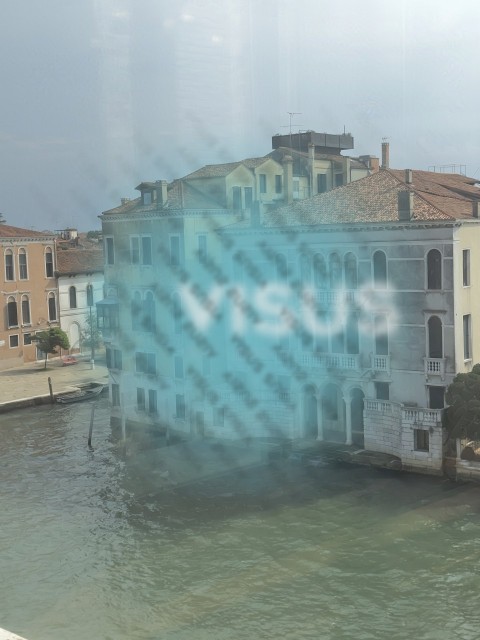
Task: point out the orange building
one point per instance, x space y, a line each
29 294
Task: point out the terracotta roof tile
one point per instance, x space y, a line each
76 261
7 231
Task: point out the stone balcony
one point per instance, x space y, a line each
435 367
344 361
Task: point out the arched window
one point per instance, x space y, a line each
381 335
281 269
434 269
335 271
48 262
177 313
52 307
26 319
379 270
72 294
9 268
351 278
22 264
305 269
136 309
12 315
435 337
319 271
149 312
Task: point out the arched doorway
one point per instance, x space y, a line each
310 415
333 414
356 408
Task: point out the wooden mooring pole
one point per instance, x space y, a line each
52 400
91 428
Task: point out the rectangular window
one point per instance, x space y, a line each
436 397
27 339
49 263
321 182
178 367
202 245
467 337
135 250
152 402
248 192
22 263
12 315
140 399
237 198
338 179
296 188
180 406
145 363
278 184
52 308
26 311
263 183
175 251
466 267
109 251
146 250
14 341
422 439
9 273
115 395
147 197
382 390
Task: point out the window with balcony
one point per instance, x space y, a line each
351 277
335 271
22 264
381 335
49 263
434 269
26 318
382 391
319 271
435 337
9 268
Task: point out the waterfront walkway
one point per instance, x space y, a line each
28 384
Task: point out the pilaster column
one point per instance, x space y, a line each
348 418
318 398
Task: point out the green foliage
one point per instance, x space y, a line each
93 234
49 341
91 335
463 396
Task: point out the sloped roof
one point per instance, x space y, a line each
375 199
77 261
7 231
222 170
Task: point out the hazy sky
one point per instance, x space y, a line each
99 95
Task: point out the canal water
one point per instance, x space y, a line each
88 549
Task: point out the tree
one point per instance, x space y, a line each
463 414
91 335
48 341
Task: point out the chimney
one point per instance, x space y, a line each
475 204
162 195
288 178
405 205
385 155
124 200
408 176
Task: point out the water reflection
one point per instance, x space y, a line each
93 545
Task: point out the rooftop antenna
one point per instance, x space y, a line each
291 115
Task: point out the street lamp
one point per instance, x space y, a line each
92 342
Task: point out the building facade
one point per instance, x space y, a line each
29 292
342 317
